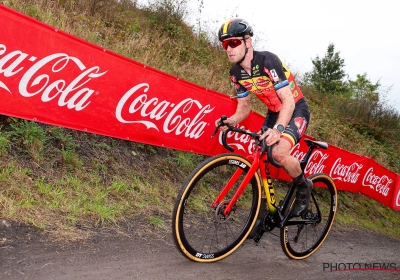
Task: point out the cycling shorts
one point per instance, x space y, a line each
297 125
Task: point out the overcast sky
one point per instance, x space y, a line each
366 33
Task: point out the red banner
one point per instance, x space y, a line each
49 76
396 196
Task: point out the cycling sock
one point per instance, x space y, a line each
300 181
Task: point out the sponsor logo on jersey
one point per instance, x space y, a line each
301 124
262 82
247 85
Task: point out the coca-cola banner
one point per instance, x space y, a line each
352 172
49 76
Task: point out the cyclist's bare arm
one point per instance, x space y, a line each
243 109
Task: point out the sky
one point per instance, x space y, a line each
365 33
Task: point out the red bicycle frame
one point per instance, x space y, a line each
258 161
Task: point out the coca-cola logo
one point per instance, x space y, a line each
295 152
348 173
379 184
398 199
136 107
316 163
240 141
40 77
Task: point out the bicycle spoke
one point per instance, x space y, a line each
303 235
205 231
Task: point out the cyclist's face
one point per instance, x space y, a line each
234 51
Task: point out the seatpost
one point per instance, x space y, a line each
304 161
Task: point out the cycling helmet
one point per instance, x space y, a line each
235 27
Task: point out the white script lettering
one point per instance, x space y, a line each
39 79
346 173
316 163
156 110
378 183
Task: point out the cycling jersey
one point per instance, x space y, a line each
268 74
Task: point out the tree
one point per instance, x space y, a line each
328 74
362 88
367 104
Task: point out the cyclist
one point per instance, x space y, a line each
262 73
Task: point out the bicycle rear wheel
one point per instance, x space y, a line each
300 240
201 232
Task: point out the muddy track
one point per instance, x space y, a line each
26 253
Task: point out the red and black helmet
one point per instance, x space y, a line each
235 27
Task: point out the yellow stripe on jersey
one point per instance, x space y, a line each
289 138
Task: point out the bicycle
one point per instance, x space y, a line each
219 203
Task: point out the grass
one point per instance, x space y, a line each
66 182
356 210
156 221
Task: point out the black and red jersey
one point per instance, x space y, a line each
268 74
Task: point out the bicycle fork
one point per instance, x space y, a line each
239 191
257 162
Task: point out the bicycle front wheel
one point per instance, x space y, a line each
300 240
201 231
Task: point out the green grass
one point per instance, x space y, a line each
357 210
156 221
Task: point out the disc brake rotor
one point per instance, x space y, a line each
219 212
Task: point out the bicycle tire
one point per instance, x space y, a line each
200 233
299 243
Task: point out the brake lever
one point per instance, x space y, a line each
263 144
221 123
215 132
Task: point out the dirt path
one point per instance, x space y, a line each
25 255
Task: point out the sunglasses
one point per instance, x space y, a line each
233 43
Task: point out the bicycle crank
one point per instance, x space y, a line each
267 225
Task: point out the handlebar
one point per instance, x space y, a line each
253 135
